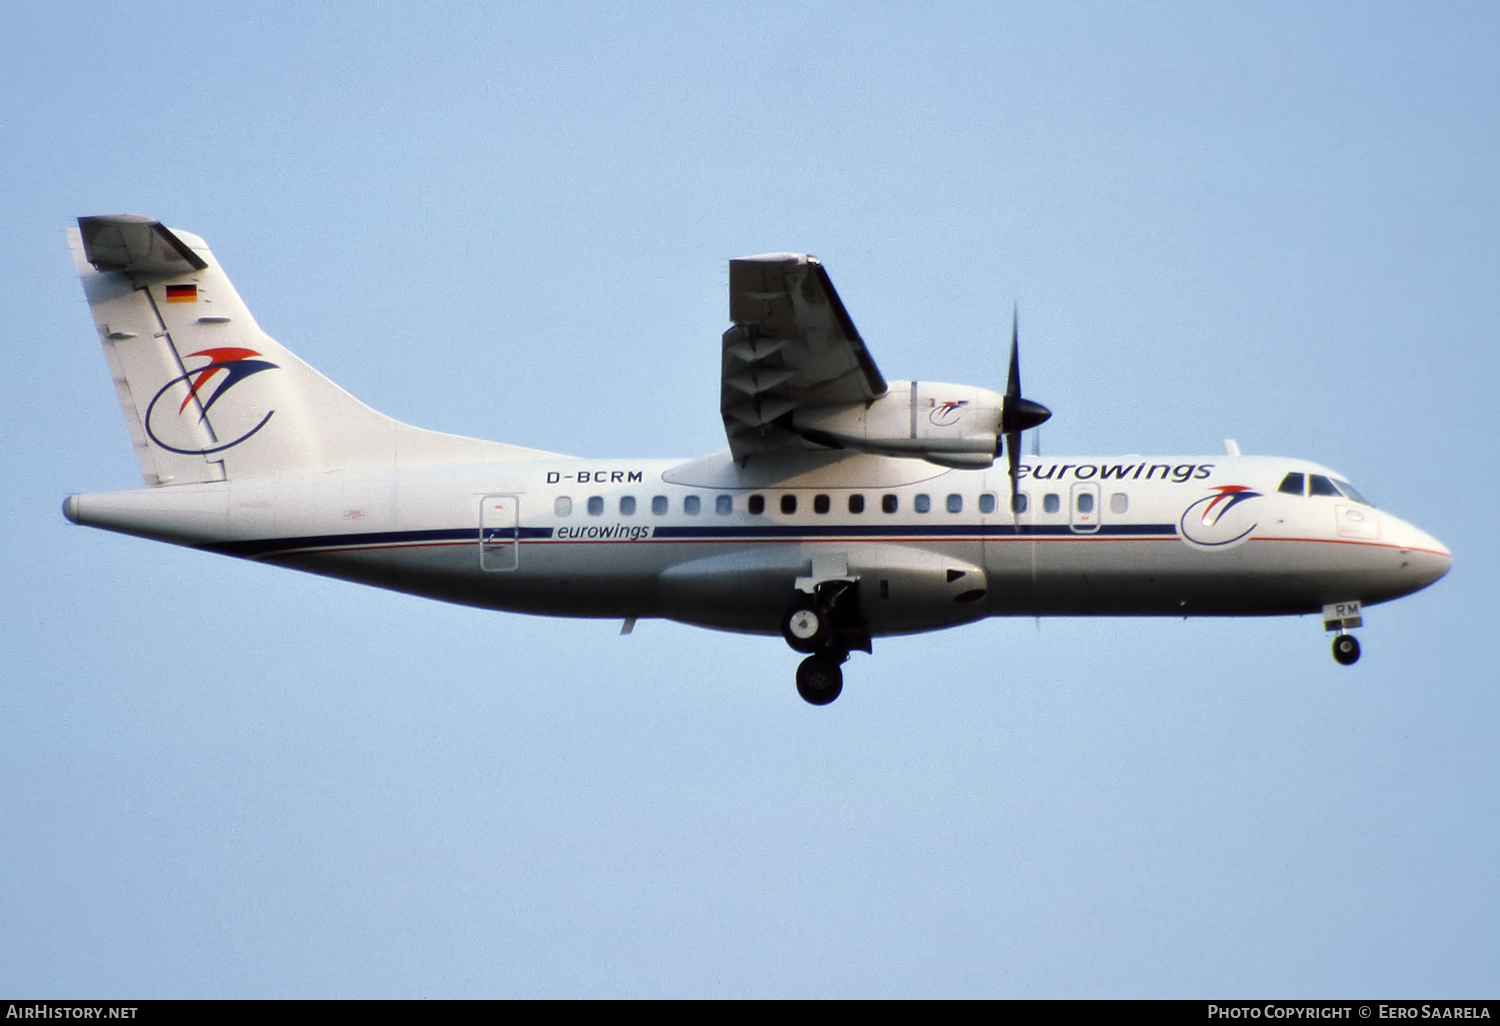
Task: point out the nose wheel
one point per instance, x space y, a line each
1346 649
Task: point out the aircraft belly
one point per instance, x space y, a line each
907 589
559 580
901 588
733 587
1166 578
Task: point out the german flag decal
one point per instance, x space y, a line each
182 293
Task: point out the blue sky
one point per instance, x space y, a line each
1277 224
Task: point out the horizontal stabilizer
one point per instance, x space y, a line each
136 245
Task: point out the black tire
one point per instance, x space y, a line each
805 627
1346 649
819 680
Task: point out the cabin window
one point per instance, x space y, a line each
627 505
888 503
955 503
1119 503
1051 502
820 504
724 505
692 505
987 502
1085 502
757 504
922 503
1317 484
659 505
1291 484
1020 502
788 504
1348 490
596 505
856 504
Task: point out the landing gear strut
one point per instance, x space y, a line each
1346 649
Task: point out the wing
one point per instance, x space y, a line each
792 345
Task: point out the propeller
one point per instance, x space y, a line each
1018 414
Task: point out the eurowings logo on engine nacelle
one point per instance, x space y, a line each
946 414
1217 520
201 388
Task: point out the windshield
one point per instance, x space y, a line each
1350 491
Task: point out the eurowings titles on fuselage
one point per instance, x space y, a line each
847 507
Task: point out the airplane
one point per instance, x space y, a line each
846 507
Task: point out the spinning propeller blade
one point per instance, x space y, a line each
1019 413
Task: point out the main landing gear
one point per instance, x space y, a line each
819 678
826 625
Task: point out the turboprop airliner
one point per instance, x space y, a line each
845 508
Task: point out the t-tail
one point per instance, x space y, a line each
207 395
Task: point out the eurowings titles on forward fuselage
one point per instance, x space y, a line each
845 508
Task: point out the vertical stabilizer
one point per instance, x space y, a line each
207 395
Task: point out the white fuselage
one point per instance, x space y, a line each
712 543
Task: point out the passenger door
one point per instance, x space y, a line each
499 532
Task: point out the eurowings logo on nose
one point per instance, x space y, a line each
201 388
1216 520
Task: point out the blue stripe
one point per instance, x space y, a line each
254 548
264 546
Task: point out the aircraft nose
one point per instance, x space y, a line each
1428 557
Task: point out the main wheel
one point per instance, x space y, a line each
819 680
805 627
1346 649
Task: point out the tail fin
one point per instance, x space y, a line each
207 394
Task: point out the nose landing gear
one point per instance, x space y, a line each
1340 616
1346 649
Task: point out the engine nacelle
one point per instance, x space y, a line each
951 425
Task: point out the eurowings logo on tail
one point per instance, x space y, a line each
201 388
1217 520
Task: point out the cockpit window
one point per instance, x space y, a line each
1349 490
1291 484
1317 484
